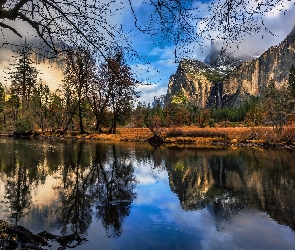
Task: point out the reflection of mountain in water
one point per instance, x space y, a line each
260 179
96 181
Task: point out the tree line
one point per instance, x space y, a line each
100 97
273 107
90 97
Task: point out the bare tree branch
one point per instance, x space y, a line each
3 25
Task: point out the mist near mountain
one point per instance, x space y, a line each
50 71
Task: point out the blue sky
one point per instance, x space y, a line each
158 221
157 58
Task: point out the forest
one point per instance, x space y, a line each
98 98
98 92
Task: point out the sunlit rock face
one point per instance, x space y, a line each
201 82
250 78
190 79
240 78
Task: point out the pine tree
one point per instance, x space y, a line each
40 104
2 104
276 105
24 76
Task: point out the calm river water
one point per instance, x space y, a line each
134 196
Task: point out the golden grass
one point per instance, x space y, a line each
195 135
257 135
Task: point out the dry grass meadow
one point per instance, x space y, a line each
202 136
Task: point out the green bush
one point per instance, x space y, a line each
23 125
211 123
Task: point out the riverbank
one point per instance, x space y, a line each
19 237
238 136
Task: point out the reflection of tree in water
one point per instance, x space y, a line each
75 213
18 194
22 174
93 175
114 190
106 182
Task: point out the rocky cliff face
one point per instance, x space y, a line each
250 78
200 85
192 78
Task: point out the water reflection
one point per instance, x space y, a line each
115 190
17 194
90 180
67 187
22 175
75 214
231 180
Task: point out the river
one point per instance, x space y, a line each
134 196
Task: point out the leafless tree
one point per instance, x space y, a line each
59 23
79 74
184 22
88 21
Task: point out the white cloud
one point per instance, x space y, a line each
277 25
51 75
148 92
146 174
163 53
6 58
23 28
248 229
156 51
170 62
279 9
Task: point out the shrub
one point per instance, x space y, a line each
288 135
23 125
211 123
175 133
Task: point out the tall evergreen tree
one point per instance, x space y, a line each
40 104
2 103
276 105
2 98
55 111
13 109
24 76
